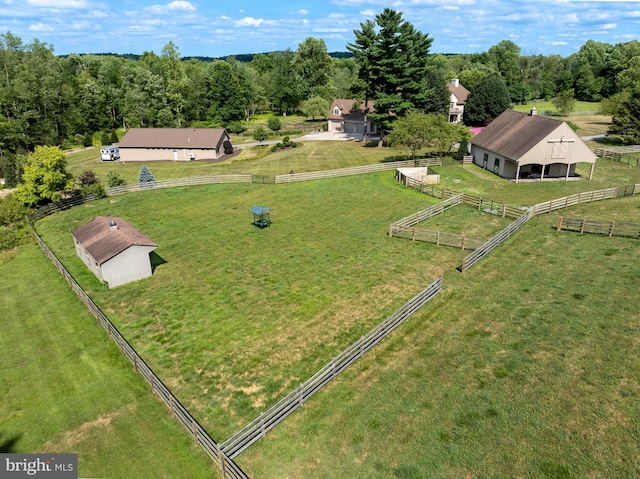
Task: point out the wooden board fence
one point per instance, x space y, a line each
439 238
609 228
255 430
228 467
490 245
425 214
356 170
198 180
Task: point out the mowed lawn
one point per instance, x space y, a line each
237 317
478 384
309 156
525 366
67 389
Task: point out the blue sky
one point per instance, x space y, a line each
221 28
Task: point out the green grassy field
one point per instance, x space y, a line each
311 156
67 389
525 366
544 106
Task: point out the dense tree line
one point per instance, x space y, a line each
51 100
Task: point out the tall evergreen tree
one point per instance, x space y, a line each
392 63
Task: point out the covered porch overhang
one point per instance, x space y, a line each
562 169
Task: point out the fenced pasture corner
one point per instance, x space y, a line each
258 428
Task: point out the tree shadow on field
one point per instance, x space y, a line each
8 446
156 260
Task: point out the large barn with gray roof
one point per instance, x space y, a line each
172 144
114 250
527 146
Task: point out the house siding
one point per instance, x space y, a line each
167 154
132 264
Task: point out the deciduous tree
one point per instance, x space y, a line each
45 177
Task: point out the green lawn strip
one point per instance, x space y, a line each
67 388
310 156
544 106
525 366
237 316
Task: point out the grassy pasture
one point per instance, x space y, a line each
311 156
526 366
238 316
67 389
544 106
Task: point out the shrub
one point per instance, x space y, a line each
228 147
114 179
274 123
114 137
236 127
105 139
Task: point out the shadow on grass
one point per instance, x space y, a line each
8 446
156 260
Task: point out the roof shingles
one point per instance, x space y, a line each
103 242
198 138
513 134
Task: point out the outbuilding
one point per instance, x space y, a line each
173 144
518 145
114 250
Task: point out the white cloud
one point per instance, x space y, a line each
41 27
175 6
250 22
368 13
609 26
303 12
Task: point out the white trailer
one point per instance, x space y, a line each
110 153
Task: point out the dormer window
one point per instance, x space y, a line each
336 110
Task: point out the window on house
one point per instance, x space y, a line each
336 110
485 160
496 165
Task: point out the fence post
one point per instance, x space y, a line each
463 237
582 226
560 224
611 228
504 210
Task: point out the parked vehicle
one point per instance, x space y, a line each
110 153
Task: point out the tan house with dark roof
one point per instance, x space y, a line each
114 250
518 145
172 144
348 115
457 100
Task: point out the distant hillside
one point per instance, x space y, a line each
242 57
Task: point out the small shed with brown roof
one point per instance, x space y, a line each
518 145
114 250
172 144
348 115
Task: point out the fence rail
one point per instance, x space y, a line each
490 245
255 430
586 197
609 228
230 470
197 180
356 170
620 155
425 214
493 207
439 238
